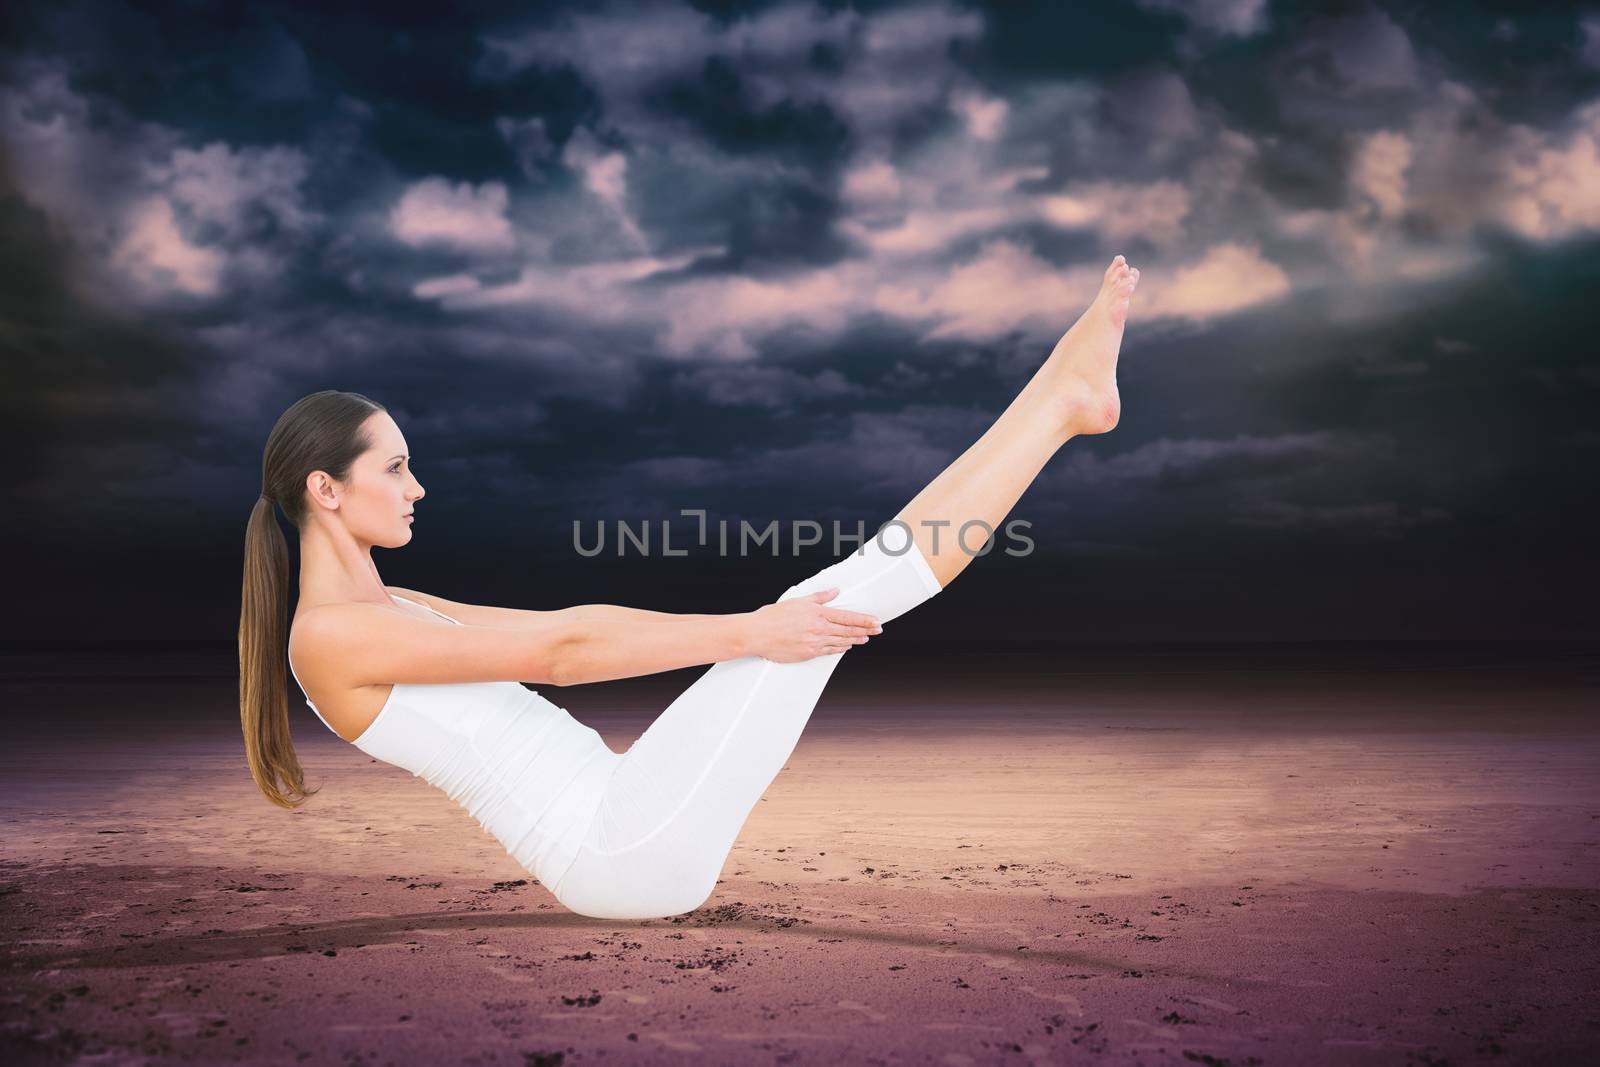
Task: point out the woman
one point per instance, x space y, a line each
433 686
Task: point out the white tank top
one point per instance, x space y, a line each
504 753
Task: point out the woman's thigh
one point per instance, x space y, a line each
680 795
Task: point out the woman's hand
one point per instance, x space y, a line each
801 628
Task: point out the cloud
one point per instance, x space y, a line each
554 363
1306 481
1589 47
590 291
1007 288
766 386
473 218
605 174
1462 168
1004 288
1191 461
723 315
1382 517
985 116
621 53
1228 278
271 65
884 67
1356 54
1373 255
1380 171
81 167
905 209
1119 211
236 190
1551 184
157 257
948 233
448 285
1232 18
871 184
530 141
152 217
895 452
922 232
1157 107
1415 194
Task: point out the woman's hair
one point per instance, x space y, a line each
323 432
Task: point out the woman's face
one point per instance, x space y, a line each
381 490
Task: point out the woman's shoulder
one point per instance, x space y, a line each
351 609
317 626
323 655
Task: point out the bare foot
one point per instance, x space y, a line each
1084 361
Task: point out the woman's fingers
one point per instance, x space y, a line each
845 630
853 618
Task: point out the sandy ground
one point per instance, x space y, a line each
1296 866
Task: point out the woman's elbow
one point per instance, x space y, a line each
566 661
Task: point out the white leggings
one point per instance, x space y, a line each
666 817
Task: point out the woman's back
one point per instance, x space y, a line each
500 750
357 706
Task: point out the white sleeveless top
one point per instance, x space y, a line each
504 753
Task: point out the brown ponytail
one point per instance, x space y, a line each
320 432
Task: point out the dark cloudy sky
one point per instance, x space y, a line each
785 261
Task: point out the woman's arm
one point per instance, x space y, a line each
525 619
612 646
604 642
481 614
618 613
